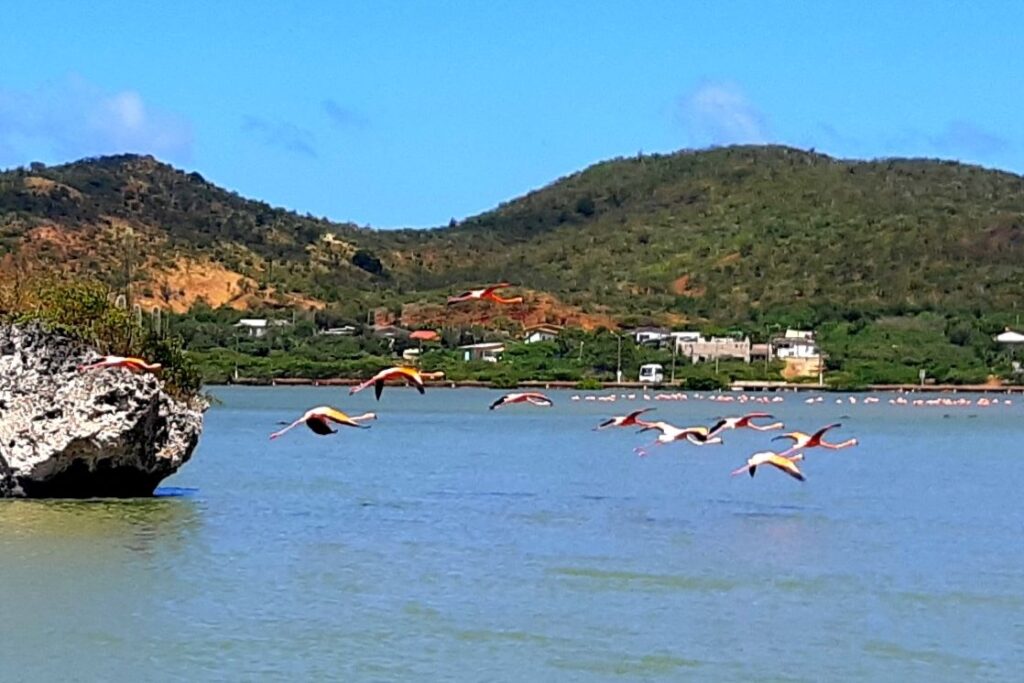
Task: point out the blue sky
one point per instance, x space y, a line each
412 113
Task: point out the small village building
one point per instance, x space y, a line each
258 327
343 331
795 347
542 332
389 332
485 351
650 335
702 350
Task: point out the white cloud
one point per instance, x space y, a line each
719 113
74 118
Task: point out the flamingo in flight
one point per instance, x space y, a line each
411 376
802 440
623 420
130 363
698 436
777 460
487 293
530 397
745 421
319 421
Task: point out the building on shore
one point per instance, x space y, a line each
486 351
258 327
701 350
542 332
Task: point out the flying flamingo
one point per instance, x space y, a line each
623 420
745 421
487 293
786 464
530 397
698 436
802 440
133 364
410 375
319 419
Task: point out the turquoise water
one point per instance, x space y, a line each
450 542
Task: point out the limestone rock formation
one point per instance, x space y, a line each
65 433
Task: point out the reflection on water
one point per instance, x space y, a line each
449 542
133 522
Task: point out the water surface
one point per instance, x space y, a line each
450 542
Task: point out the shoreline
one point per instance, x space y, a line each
739 386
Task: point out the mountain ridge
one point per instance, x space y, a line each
725 235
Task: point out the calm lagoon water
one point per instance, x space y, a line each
453 543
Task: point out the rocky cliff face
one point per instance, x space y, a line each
65 433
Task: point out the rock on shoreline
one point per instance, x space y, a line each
78 435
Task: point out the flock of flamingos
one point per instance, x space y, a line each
321 418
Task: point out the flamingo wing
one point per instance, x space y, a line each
413 377
821 432
786 465
490 289
631 418
720 425
500 402
318 424
336 415
378 388
607 423
796 437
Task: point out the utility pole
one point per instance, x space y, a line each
618 366
675 350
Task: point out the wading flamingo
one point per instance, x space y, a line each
802 440
745 421
133 364
530 397
319 420
410 375
623 420
777 460
487 293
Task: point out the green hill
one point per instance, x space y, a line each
727 236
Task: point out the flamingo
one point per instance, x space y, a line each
130 363
530 397
623 420
319 419
487 293
410 375
698 436
802 440
778 460
745 421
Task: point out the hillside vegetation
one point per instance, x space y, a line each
724 239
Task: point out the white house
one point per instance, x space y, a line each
257 327
806 335
539 333
486 351
795 347
650 335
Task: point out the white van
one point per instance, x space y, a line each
653 373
